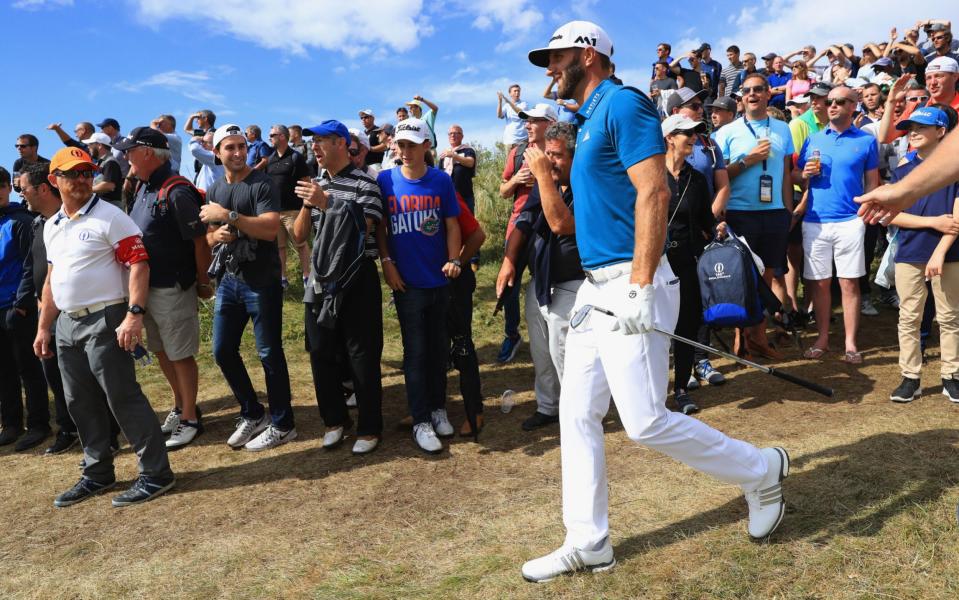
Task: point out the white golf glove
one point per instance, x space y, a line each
635 313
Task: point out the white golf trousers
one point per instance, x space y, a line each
634 369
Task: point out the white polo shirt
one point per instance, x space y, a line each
82 251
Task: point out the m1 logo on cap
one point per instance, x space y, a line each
556 37
585 40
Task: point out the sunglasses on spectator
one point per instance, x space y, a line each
917 99
938 38
273 135
837 101
756 89
354 151
22 145
85 174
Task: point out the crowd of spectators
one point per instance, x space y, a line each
111 239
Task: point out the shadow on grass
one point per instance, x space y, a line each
853 489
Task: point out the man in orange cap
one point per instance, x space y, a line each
90 240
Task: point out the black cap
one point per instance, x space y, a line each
143 136
724 103
770 56
820 88
110 121
704 46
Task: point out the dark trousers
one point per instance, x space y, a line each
511 308
462 351
422 315
237 303
19 365
51 372
870 239
689 322
359 336
94 366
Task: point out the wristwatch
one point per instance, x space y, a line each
455 261
233 216
136 309
742 164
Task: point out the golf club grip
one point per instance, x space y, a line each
819 389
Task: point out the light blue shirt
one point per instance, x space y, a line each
209 170
735 141
515 130
618 128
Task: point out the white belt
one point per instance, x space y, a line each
89 310
604 274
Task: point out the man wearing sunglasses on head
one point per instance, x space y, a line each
98 329
836 164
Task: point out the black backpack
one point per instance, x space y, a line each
338 254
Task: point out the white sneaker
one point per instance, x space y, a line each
333 437
426 438
766 504
171 422
271 438
441 423
365 446
569 560
246 430
351 401
183 434
868 308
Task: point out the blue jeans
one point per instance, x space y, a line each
236 302
422 314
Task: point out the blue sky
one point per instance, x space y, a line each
302 61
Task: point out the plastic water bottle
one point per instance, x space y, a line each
506 401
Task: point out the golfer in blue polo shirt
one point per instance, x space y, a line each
612 348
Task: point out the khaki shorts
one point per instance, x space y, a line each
172 322
287 218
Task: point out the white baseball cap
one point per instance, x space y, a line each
798 100
99 138
367 112
413 130
228 130
540 111
943 64
575 34
361 136
679 122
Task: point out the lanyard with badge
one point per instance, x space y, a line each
765 180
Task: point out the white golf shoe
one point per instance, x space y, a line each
766 503
569 560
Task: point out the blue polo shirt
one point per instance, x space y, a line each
917 245
707 161
618 128
776 80
735 140
845 159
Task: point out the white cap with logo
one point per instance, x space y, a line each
99 138
228 130
575 34
413 130
944 64
540 111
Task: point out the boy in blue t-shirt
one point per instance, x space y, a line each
927 251
420 254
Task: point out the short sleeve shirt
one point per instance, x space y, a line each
917 245
463 175
286 170
111 171
515 130
736 140
255 195
418 209
83 249
521 193
257 151
169 228
707 160
846 157
619 127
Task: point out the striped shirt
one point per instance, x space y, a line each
729 75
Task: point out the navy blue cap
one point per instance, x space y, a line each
329 127
143 136
109 121
925 116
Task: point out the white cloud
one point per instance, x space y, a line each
194 85
516 19
38 4
353 28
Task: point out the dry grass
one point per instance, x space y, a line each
871 502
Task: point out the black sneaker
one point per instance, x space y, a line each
83 489
143 489
33 438
907 391
63 442
950 389
9 435
539 420
685 404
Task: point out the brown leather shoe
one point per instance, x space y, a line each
467 431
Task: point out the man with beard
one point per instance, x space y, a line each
109 181
612 349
